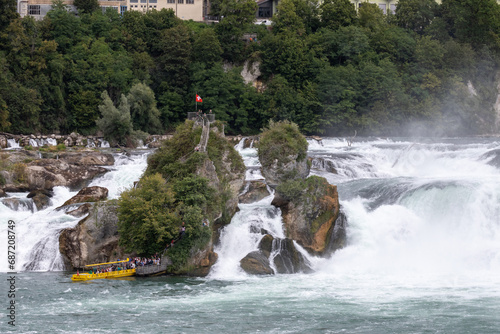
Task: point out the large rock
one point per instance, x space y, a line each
49 173
282 152
282 170
256 263
88 158
256 191
494 156
46 170
18 204
94 239
88 194
266 245
311 216
288 260
201 261
41 198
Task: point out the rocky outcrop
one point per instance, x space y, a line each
254 192
88 194
310 217
72 140
201 261
81 211
26 170
256 263
94 239
17 204
493 156
41 198
288 260
284 169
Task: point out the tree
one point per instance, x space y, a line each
337 13
371 16
146 216
237 16
415 15
86 6
145 116
206 47
287 19
473 21
8 12
115 123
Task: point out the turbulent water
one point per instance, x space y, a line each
37 243
422 256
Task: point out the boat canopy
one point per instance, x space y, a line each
102 264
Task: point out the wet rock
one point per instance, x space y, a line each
88 194
256 263
266 245
41 198
90 158
3 141
257 190
255 229
17 204
94 239
81 211
324 165
494 155
2 193
288 259
310 217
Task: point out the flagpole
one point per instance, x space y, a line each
196 107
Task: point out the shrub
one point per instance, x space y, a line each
279 141
19 170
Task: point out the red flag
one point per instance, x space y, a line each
198 98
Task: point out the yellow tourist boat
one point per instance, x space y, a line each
93 268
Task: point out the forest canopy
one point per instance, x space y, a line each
429 68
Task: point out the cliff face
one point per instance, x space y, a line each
311 216
310 206
26 170
94 239
225 171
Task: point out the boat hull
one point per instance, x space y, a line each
111 274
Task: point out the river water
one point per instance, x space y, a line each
422 256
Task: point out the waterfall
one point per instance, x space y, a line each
37 233
419 209
12 144
248 226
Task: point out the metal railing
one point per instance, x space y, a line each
153 268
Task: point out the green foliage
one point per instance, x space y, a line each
115 123
86 6
8 12
415 15
19 170
145 116
337 13
279 141
53 71
296 189
147 220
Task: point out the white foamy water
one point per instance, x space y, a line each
37 233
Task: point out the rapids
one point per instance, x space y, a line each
422 254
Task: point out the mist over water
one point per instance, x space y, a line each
417 211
